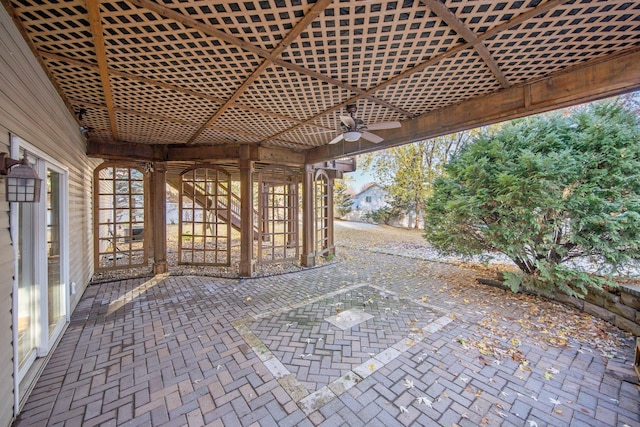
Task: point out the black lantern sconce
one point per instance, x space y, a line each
22 182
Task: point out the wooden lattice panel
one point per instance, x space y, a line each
292 94
269 71
262 24
205 217
360 42
62 27
310 136
215 136
545 44
252 122
449 81
321 213
278 215
482 16
77 82
143 43
120 217
166 105
147 130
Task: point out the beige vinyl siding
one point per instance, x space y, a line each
31 109
6 287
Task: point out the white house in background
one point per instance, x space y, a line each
372 198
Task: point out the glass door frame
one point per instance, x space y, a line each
44 338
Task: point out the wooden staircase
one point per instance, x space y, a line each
234 210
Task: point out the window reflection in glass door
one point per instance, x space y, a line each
55 288
27 293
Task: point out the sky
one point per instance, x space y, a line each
359 178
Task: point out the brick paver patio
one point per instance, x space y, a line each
376 340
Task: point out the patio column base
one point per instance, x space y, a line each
160 267
308 260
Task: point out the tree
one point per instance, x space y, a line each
546 190
407 172
342 195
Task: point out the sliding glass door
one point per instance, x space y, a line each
40 237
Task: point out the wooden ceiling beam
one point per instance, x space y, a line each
441 10
114 150
595 80
95 22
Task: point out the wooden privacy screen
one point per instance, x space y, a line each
206 216
119 227
322 212
278 216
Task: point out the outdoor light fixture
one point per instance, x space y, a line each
352 136
22 182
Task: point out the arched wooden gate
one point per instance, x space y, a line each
278 215
205 216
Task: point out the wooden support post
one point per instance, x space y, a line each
246 212
159 217
308 222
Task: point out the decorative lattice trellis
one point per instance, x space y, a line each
322 213
205 216
278 216
119 229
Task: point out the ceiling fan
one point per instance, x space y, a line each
353 128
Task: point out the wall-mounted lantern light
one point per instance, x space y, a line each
22 182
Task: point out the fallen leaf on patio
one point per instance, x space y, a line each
547 376
555 401
515 342
503 415
532 423
425 400
558 411
408 383
372 367
249 298
410 343
403 410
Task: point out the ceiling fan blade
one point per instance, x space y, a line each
383 125
372 137
348 121
337 139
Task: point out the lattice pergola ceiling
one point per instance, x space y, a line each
279 73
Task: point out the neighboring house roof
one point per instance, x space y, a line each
368 187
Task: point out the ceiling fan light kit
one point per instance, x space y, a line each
353 128
352 136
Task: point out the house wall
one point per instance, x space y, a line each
361 207
31 109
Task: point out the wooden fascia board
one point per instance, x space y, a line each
122 151
148 152
593 81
